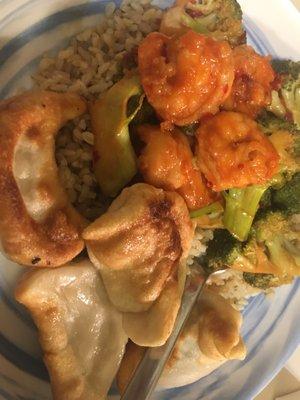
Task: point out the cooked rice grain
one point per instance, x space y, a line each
93 60
231 285
198 248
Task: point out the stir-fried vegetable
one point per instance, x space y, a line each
272 248
114 158
212 209
220 19
265 281
241 207
243 203
287 198
286 99
274 231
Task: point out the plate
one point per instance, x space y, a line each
271 329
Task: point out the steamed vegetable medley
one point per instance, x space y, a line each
205 116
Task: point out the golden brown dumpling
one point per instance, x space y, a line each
139 246
80 331
38 225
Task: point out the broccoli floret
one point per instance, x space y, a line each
287 198
286 99
265 281
212 209
285 137
274 233
272 248
266 200
222 251
240 209
242 204
287 67
270 123
220 19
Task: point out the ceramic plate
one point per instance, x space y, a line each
271 326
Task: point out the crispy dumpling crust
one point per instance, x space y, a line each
137 244
140 245
80 332
38 225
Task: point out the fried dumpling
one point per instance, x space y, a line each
153 327
218 328
80 331
211 337
139 246
38 225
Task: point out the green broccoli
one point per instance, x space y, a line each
287 198
287 67
212 210
222 251
220 19
285 137
271 123
265 281
243 204
274 231
266 200
286 99
272 248
240 209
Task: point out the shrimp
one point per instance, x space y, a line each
252 88
187 77
167 162
233 152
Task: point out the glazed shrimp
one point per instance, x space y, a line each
167 163
233 152
187 77
251 90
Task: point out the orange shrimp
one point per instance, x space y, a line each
251 90
167 162
233 152
187 77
